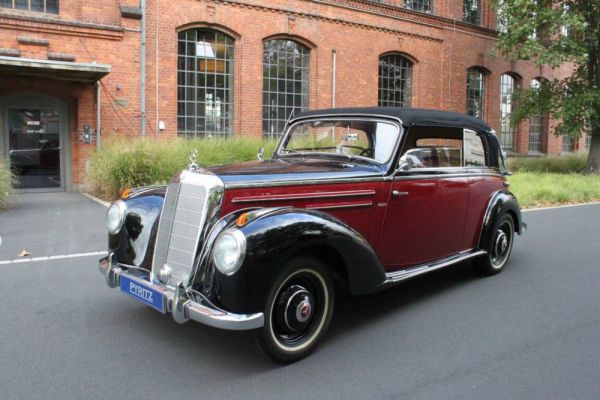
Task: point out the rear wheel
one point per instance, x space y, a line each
500 243
298 311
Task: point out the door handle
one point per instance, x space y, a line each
397 193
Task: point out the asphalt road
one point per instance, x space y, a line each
531 332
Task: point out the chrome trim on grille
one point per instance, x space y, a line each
192 204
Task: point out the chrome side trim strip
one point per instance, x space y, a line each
402 275
338 206
301 196
443 175
300 182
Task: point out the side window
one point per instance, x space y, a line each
433 148
474 150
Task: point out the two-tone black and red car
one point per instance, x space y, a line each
364 198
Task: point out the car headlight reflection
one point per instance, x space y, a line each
229 250
115 217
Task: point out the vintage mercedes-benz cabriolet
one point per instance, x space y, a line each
364 198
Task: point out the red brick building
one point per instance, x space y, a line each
72 71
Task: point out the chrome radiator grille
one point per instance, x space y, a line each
183 222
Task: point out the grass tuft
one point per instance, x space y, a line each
565 164
6 182
127 163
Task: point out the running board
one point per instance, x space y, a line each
398 276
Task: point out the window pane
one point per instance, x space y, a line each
205 83
474 152
395 81
22 4
507 131
475 93
536 127
286 66
418 5
472 11
37 5
52 6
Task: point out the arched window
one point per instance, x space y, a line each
204 83
475 92
537 126
286 75
395 81
507 106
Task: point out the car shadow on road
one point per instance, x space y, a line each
233 351
353 312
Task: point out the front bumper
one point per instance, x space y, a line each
183 305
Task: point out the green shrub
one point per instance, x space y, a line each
121 163
6 181
566 164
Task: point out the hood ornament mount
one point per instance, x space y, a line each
193 166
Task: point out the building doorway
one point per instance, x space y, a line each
34 138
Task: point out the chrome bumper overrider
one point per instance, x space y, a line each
182 305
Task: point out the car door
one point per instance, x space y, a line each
427 204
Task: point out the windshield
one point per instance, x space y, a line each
348 138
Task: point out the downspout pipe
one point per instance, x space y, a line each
143 70
333 76
98 116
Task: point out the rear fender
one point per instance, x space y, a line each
500 203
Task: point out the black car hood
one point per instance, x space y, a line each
294 169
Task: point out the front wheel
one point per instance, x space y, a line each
298 311
500 243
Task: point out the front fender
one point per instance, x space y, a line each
280 234
500 203
134 244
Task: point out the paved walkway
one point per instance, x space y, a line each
51 224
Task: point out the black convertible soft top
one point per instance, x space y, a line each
408 116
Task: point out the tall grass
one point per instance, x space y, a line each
542 189
6 181
122 163
566 164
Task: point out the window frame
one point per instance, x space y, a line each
512 105
462 169
29 7
189 102
304 93
406 92
483 94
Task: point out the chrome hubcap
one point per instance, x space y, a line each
298 309
501 244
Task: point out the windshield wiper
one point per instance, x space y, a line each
289 152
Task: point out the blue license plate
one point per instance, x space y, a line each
143 293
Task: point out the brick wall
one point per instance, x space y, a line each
441 46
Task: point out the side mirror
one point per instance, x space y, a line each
261 154
406 164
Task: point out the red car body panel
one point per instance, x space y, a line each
430 219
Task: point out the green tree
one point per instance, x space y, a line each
557 33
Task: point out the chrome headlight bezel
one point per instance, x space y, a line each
237 243
115 216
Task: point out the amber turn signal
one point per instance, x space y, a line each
125 193
242 219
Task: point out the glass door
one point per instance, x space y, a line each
34 147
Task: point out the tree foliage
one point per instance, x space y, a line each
557 34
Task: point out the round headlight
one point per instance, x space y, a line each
115 216
229 250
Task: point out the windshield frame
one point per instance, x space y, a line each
279 152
